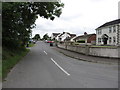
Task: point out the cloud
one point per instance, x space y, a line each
79 16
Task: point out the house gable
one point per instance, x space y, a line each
111 29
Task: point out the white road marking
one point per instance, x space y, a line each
60 67
45 52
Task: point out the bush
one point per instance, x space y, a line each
81 41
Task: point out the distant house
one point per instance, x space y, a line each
72 39
65 36
108 33
54 35
86 38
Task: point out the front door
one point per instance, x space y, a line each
105 41
105 38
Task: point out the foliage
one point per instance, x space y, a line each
81 41
37 37
45 37
10 58
18 18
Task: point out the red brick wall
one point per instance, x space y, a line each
91 38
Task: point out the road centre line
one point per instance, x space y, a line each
45 52
60 67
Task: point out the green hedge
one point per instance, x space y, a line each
81 41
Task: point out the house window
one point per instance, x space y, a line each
110 29
110 39
117 27
99 31
99 40
114 39
114 29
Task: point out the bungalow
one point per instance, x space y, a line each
86 38
108 33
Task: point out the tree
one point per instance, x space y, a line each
37 37
18 18
45 37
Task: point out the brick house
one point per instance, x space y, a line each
86 38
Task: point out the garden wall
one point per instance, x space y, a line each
102 51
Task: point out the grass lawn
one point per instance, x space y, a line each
0 63
0 70
10 59
31 45
105 46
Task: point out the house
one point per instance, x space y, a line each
108 33
65 36
54 35
72 39
86 38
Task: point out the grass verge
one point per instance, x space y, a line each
10 59
31 44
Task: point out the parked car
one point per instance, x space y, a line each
51 44
50 41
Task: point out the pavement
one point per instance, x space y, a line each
46 67
88 58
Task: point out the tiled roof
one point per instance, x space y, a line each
84 36
55 34
72 35
110 23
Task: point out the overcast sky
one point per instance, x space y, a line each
79 16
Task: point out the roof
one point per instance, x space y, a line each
55 34
84 36
110 23
72 35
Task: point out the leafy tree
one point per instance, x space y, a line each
18 18
37 37
45 37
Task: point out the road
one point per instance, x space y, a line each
44 67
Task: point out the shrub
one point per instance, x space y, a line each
81 41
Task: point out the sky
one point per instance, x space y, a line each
79 16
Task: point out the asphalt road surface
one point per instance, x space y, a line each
44 67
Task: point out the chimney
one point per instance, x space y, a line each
119 10
85 33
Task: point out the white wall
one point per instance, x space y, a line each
52 36
113 52
119 36
63 37
105 52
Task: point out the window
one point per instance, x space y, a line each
110 29
99 31
99 40
117 27
114 39
114 29
110 39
